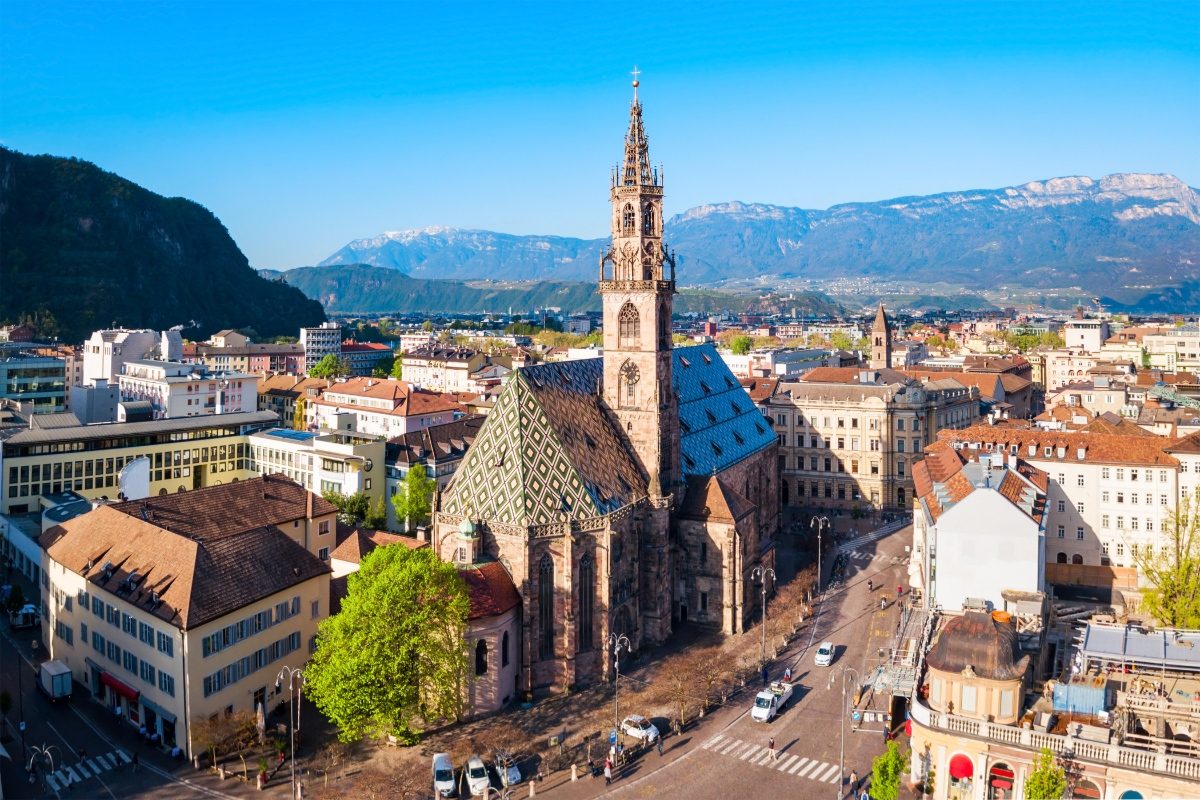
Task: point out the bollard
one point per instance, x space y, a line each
574 774
532 790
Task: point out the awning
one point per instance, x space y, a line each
961 767
165 716
123 689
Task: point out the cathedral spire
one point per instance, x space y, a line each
881 341
635 168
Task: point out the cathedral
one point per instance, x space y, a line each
624 495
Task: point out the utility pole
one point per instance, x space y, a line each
759 574
819 523
842 715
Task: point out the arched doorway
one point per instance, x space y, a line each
1130 794
1000 782
962 773
1086 789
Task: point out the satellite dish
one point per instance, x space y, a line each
134 480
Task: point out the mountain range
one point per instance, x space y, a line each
1120 236
82 249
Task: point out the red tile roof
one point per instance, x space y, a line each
1100 447
491 589
759 389
355 547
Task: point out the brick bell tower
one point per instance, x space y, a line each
638 297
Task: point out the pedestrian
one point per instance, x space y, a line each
765 675
659 743
771 747
853 781
135 761
607 771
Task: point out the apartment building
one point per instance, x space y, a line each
381 406
848 437
106 351
257 359
1088 335
364 357
174 609
442 368
323 340
185 453
1101 395
175 389
1174 349
280 393
1107 498
439 449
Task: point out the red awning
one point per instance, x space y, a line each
961 767
123 689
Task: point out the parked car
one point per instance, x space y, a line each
443 776
477 777
506 768
640 728
824 655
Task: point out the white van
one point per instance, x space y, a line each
443 776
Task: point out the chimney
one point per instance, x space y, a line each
308 505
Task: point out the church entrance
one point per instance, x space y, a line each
683 612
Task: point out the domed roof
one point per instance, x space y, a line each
977 641
466 528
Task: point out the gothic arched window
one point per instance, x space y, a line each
648 220
504 650
664 326
481 658
587 601
546 607
629 326
627 220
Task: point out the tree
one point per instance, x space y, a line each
299 415
395 656
1047 780
225 732
1173 570
886 770
414 501
679 339
330 366
398 367
357 509
840 340
383 367
427 326
740 345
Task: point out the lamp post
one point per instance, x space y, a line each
819 523
760 574
617 642
842 714
297 687
36 753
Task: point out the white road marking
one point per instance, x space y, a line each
123 757
784 763
733 744
52 782
792 769
807 769
762 759
713 741
91 762
829 775
754 748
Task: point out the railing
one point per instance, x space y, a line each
1174 765
1157 705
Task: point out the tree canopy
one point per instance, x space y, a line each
886 771
357 509
330 366
383 367
395 656
740 345
299 414
414 501
1173 570
1047 780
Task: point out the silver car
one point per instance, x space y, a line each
640 728
477 777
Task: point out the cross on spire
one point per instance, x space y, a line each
635 74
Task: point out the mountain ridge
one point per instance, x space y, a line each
1107 234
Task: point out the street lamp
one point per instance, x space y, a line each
36 752
760 574
819 523
842 714
297 687
617 642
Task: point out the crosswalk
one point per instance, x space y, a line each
87 767
873 536
760 756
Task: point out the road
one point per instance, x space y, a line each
726 754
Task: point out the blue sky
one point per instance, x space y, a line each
305 125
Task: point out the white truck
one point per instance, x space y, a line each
54 679
771 701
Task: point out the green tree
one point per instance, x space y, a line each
886 770
329 367
384 366
740 345
1173 570
398 366
840 340
395 656
427 326
414 501
357 509
1047 780
299 414
680 340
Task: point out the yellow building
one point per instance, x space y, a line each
173 609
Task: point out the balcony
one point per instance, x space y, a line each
1110 754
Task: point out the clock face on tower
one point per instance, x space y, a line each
630 373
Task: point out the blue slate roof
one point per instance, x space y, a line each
718 425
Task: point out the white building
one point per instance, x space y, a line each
1088 335
380 406
175 389
442 368
323 340
176 608
106 352
1176 349
977 528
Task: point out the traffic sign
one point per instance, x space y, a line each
612 737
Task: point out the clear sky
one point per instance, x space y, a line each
305 125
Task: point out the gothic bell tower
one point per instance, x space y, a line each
638 296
